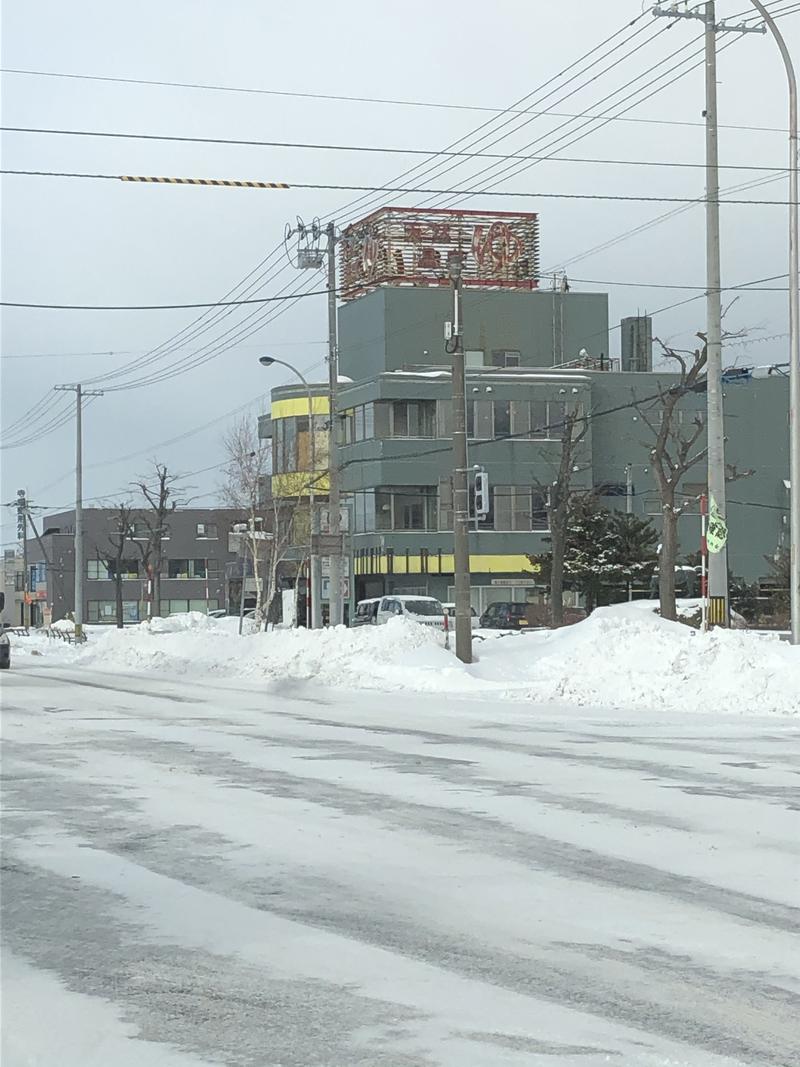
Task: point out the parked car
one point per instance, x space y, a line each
366 612
505 615
450 611
423 609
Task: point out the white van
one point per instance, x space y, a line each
423 609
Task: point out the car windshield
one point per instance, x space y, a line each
517 609
423 607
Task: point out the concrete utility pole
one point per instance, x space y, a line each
455 346
79 568
719 610
794 332
334 492
22 534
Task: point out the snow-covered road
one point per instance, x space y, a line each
226 872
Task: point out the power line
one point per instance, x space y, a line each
379 149
440 105
384 188
163 307
317 292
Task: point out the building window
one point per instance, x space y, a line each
483 420
444 418
105 611
97 570
502 418
445 504
473 358
502 357
19 582
520 418
408 507
540 517
513 508
38 576
413 418
207 530
186 568
176 607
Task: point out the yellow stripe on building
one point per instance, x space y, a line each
486 564
298 405
295 483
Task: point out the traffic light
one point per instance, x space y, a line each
481 494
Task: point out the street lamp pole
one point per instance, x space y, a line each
314 578
794 332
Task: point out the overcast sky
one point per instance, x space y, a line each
105 242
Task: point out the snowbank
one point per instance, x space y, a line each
623 657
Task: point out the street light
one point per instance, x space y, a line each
315 585
794 332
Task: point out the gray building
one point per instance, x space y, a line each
201 565
528 353
14 587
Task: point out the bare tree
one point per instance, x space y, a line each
244 489
163 494
117 542
674 451
557 496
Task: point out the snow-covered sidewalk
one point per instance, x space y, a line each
624 657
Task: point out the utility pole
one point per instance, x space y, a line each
455 346
334 491
629 509
79 568
22 534
794 332
719 610
309 257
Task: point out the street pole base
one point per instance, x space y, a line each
717 611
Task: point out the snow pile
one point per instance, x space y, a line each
623 657
627 657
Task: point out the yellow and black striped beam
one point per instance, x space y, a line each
203 181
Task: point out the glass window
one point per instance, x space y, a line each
473 357
502 507
414 418
358 434
141 530
186 568
502 418
520 418
97 570
444 423
471 418
105 611
484 411
539 516
383 510
303 444
129 568
556 414
502 357
521 517
207 529
369 422
445 504
197 605
512 507
399 419
539 428
348 426
289 451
